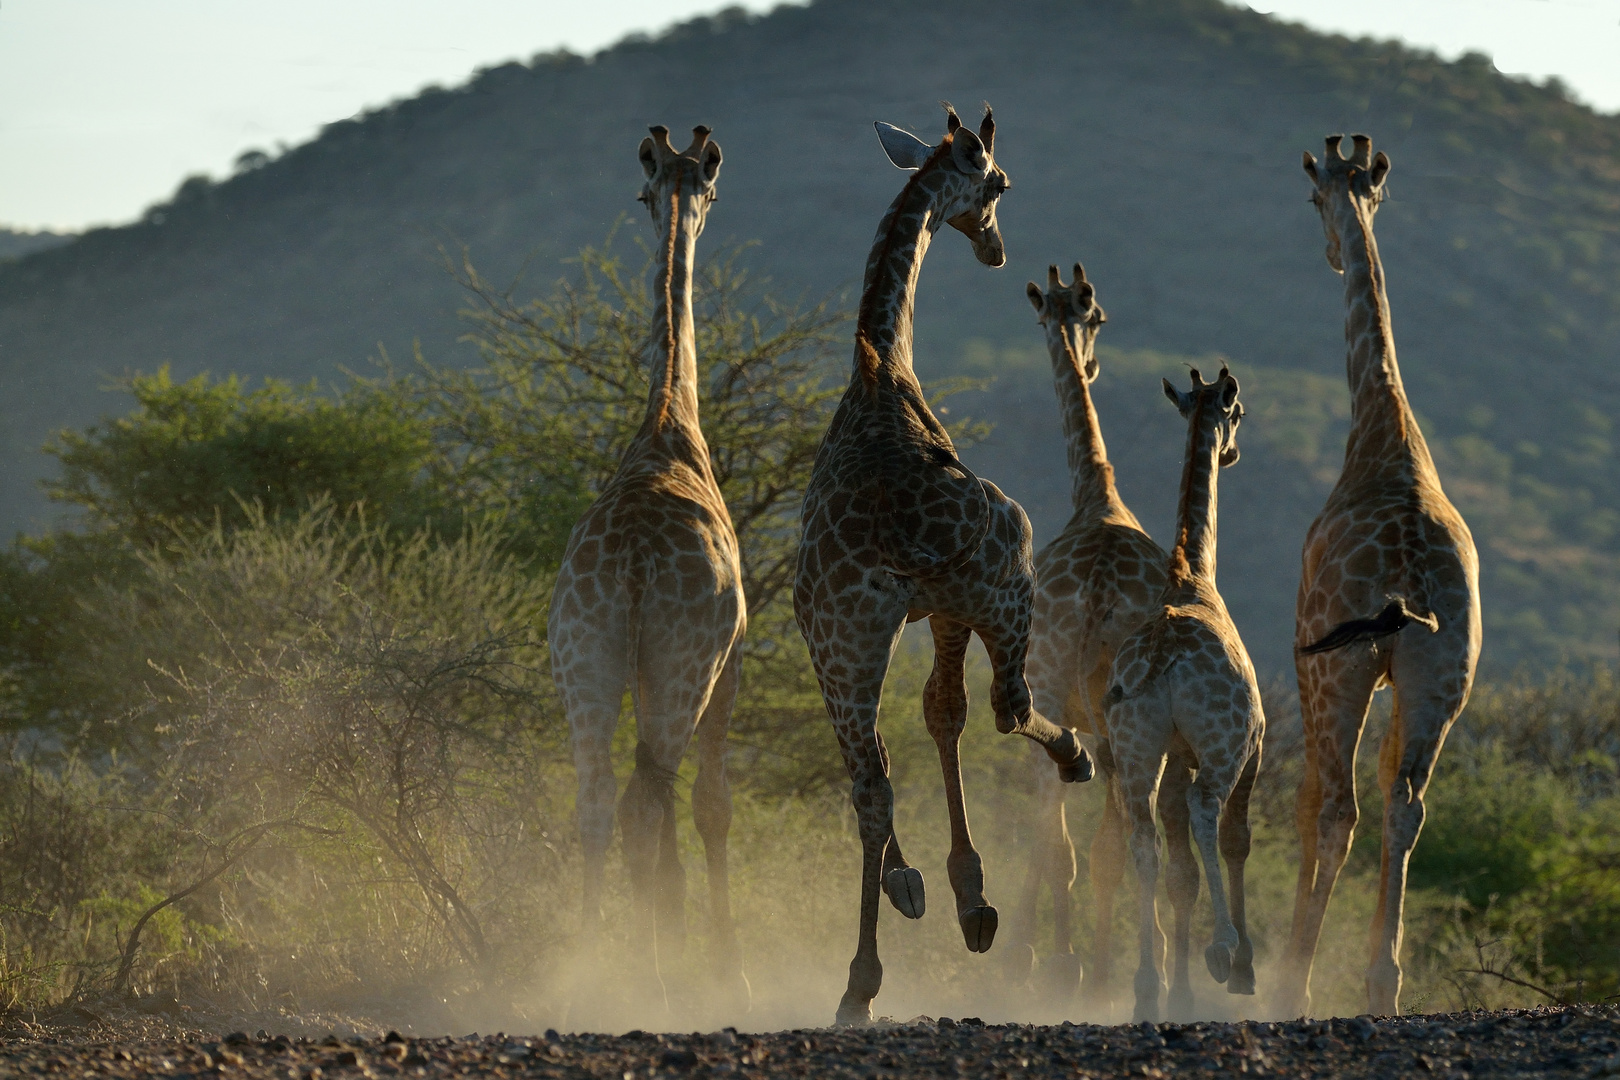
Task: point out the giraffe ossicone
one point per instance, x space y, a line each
650 595
895 529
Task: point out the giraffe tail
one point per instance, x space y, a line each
903 557
1395 617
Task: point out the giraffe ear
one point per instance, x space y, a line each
649 161
711 161
1380 168
968 153
904 149
1310 166
1036 299
1181 403
1229 392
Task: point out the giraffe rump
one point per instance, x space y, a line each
902 554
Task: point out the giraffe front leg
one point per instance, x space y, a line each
1061 972
1019 957
945 704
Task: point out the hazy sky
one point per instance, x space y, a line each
105 105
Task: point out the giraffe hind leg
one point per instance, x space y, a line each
902 882
1335 690
1423 713
1011 701
591 671
1181 878
711 814
945 705
1234 843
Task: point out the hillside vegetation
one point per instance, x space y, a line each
278 744
1156 141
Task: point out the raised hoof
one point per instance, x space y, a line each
852 1012
904 885
1080 769
979 927
1242 980
1059 978
1219 959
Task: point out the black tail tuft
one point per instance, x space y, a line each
1395 617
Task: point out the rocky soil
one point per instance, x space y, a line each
1554 1042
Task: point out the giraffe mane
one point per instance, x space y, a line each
670 344
1180 569
867 357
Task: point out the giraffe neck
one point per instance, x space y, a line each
1193 558
1384 434
888 295
671 422
1091 477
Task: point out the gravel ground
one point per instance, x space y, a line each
1561 1042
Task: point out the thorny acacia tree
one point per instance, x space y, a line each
343 676
539 427
535 432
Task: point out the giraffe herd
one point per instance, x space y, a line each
1106 651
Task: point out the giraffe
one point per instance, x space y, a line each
1182 689
896 529
650 594
1098 580
1388 595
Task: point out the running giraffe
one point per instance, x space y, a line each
650 594
1388 596
897 529
1097 581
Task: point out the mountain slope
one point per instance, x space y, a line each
1157 141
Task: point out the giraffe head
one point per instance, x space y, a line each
1217 409
962 178
1071 315
686 176
1338 183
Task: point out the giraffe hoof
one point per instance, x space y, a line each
904 884
1219 959
979 927
1079 770
852 1012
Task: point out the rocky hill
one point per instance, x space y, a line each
15 244
1158 141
